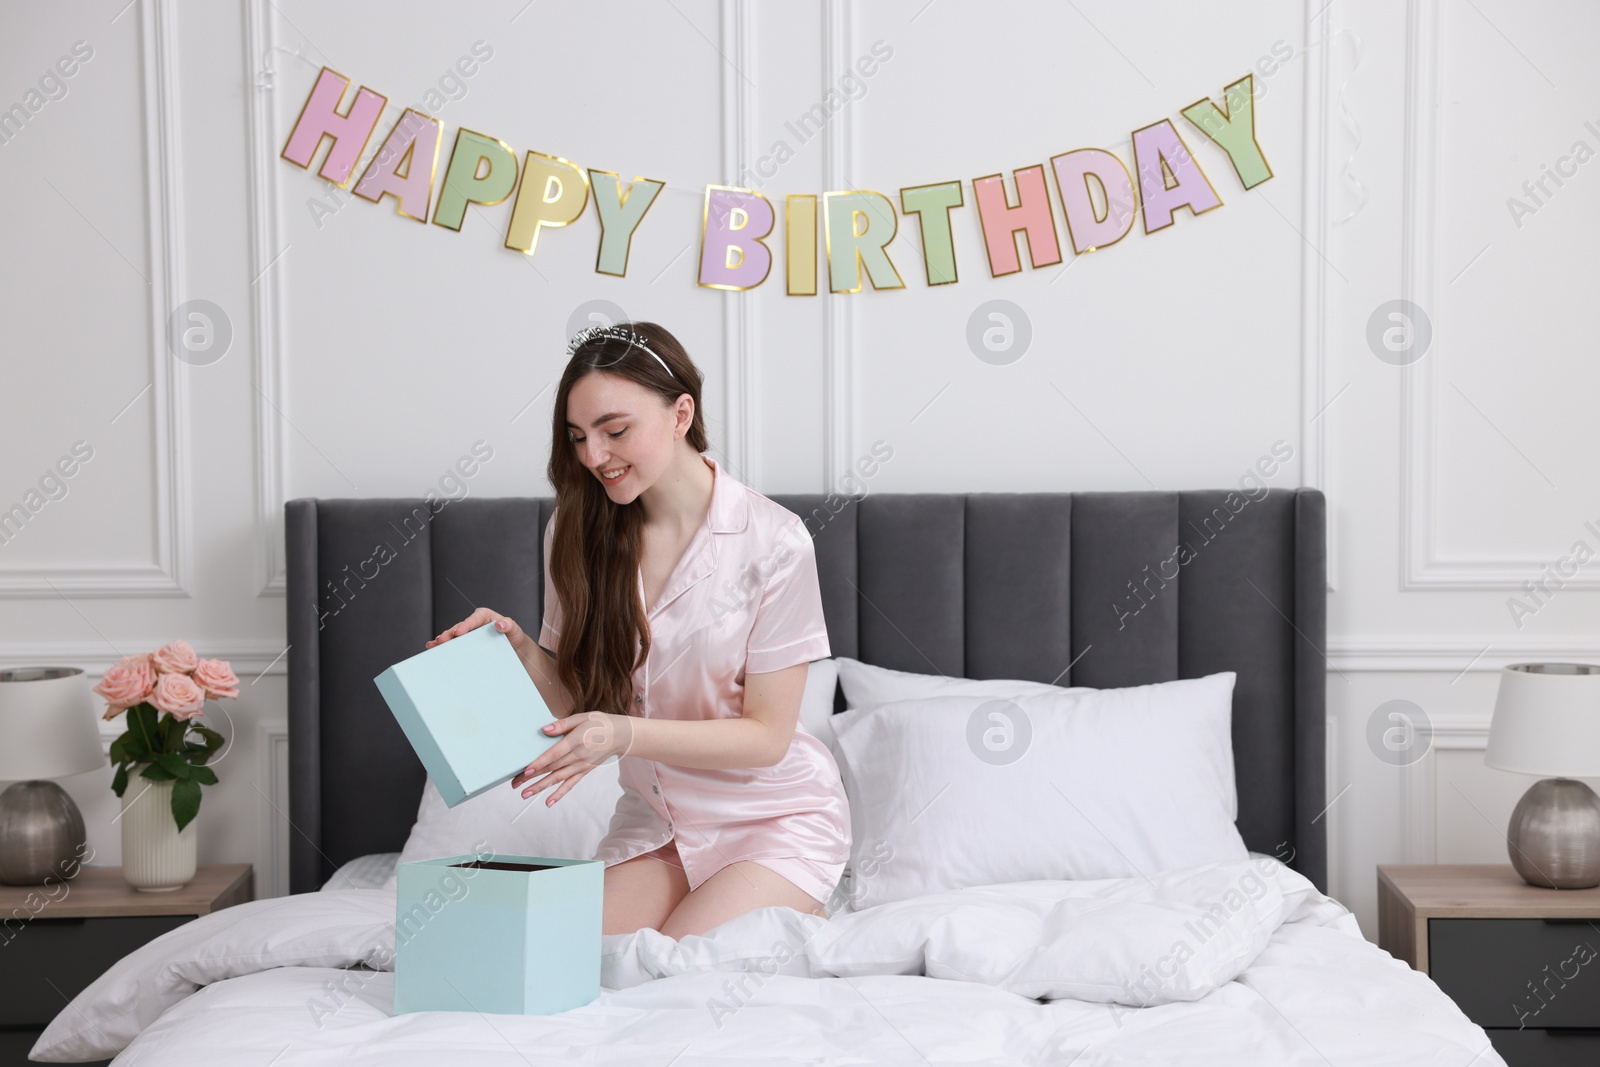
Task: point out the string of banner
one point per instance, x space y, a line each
1098 195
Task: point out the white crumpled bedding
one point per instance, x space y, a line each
1227 963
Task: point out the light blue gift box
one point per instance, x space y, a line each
470 711
513 935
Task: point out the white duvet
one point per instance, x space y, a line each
1227 963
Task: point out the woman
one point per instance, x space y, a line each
685 607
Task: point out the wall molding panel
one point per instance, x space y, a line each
169 574
1421 567
1454 655
839 388
261 63
1316 295
272 841
740 340
1421 782
249 659
740 319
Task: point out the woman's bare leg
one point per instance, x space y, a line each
641 892
737 888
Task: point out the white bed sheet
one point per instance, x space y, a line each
1284 978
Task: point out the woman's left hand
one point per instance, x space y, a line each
592 738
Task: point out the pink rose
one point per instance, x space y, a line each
175 658
216 677
177 694
127 683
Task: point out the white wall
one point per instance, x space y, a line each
368 352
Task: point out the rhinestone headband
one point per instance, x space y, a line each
616 333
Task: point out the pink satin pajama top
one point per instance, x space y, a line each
744 598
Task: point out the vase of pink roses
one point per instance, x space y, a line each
163 693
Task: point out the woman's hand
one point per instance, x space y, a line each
519 640
592 738
540 669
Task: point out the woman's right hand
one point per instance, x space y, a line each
480 616
540 667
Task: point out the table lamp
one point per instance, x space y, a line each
47 730
1547 722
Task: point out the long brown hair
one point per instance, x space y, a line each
596 544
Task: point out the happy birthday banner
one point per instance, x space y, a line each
736 223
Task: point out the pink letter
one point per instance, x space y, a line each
1085 228
412 146
320 118
1001 221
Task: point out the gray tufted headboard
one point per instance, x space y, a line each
978 585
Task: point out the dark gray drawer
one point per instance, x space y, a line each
50 961
1547 1048
1519 973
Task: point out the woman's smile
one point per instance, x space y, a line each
612 475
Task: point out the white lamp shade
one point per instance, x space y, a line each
1547 720
47 724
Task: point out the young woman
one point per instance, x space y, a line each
684 607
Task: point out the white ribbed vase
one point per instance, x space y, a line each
156 858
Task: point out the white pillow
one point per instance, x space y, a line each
816 706
372 871
573 827
955 791
865 685
510 826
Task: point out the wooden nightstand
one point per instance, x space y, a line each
1521 961
54 943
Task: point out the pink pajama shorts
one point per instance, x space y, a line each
818 880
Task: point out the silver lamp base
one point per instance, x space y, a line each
41 834
1554 838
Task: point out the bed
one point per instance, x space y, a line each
1040 587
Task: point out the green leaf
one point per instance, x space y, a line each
119 783
116 752
142 719
176 765
185 802
213 739
172 734
204 775
156 773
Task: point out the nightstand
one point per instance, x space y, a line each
56 939
1521 961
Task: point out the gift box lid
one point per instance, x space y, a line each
470 711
